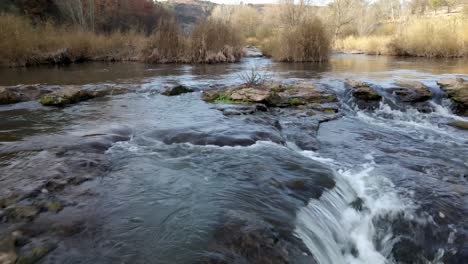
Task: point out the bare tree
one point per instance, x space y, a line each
343 13
80 12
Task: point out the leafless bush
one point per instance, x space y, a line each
253 77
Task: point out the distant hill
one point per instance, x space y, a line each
188 12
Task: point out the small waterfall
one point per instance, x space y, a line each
339 228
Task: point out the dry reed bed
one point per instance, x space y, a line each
422 37
22 44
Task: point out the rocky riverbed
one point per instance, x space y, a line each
212 173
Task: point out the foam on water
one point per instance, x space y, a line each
414 122
335 232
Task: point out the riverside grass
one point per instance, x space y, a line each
421 37
24 44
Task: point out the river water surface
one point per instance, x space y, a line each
384 186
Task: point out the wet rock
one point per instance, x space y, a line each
456 90
177 90
460 124
244 238
357 204
8 97
70 229
66 95
252 95
36 254
22 212
271 94
362 91
53 206
7 250
411 92
229 110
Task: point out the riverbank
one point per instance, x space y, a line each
419 37
26 45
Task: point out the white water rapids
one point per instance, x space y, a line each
333 230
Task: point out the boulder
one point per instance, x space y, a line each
362 91
457 91
7 96
411 92
66 95
460 124
176 90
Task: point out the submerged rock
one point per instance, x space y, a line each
36 254
456 90
411 92
176 90
7 250
8 97
66 95
20 212
460 124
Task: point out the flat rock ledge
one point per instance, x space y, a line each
57 95
271 94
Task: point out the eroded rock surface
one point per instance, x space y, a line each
365 96
456 90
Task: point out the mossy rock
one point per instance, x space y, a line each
19 212
67 95
36 254
54 206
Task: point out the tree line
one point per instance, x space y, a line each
91 15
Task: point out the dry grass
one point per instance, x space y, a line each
423 37
372 45
22 44
211 41
305 42
443 37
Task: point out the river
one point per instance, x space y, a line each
150 186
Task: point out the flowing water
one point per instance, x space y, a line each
186 184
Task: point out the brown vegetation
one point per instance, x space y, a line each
23 44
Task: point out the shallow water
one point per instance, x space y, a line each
166 198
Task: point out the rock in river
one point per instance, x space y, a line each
271 94
457 91
66 95
411 92
362 91
176 90
7 96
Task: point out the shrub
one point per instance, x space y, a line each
305 42
166 44
214 40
